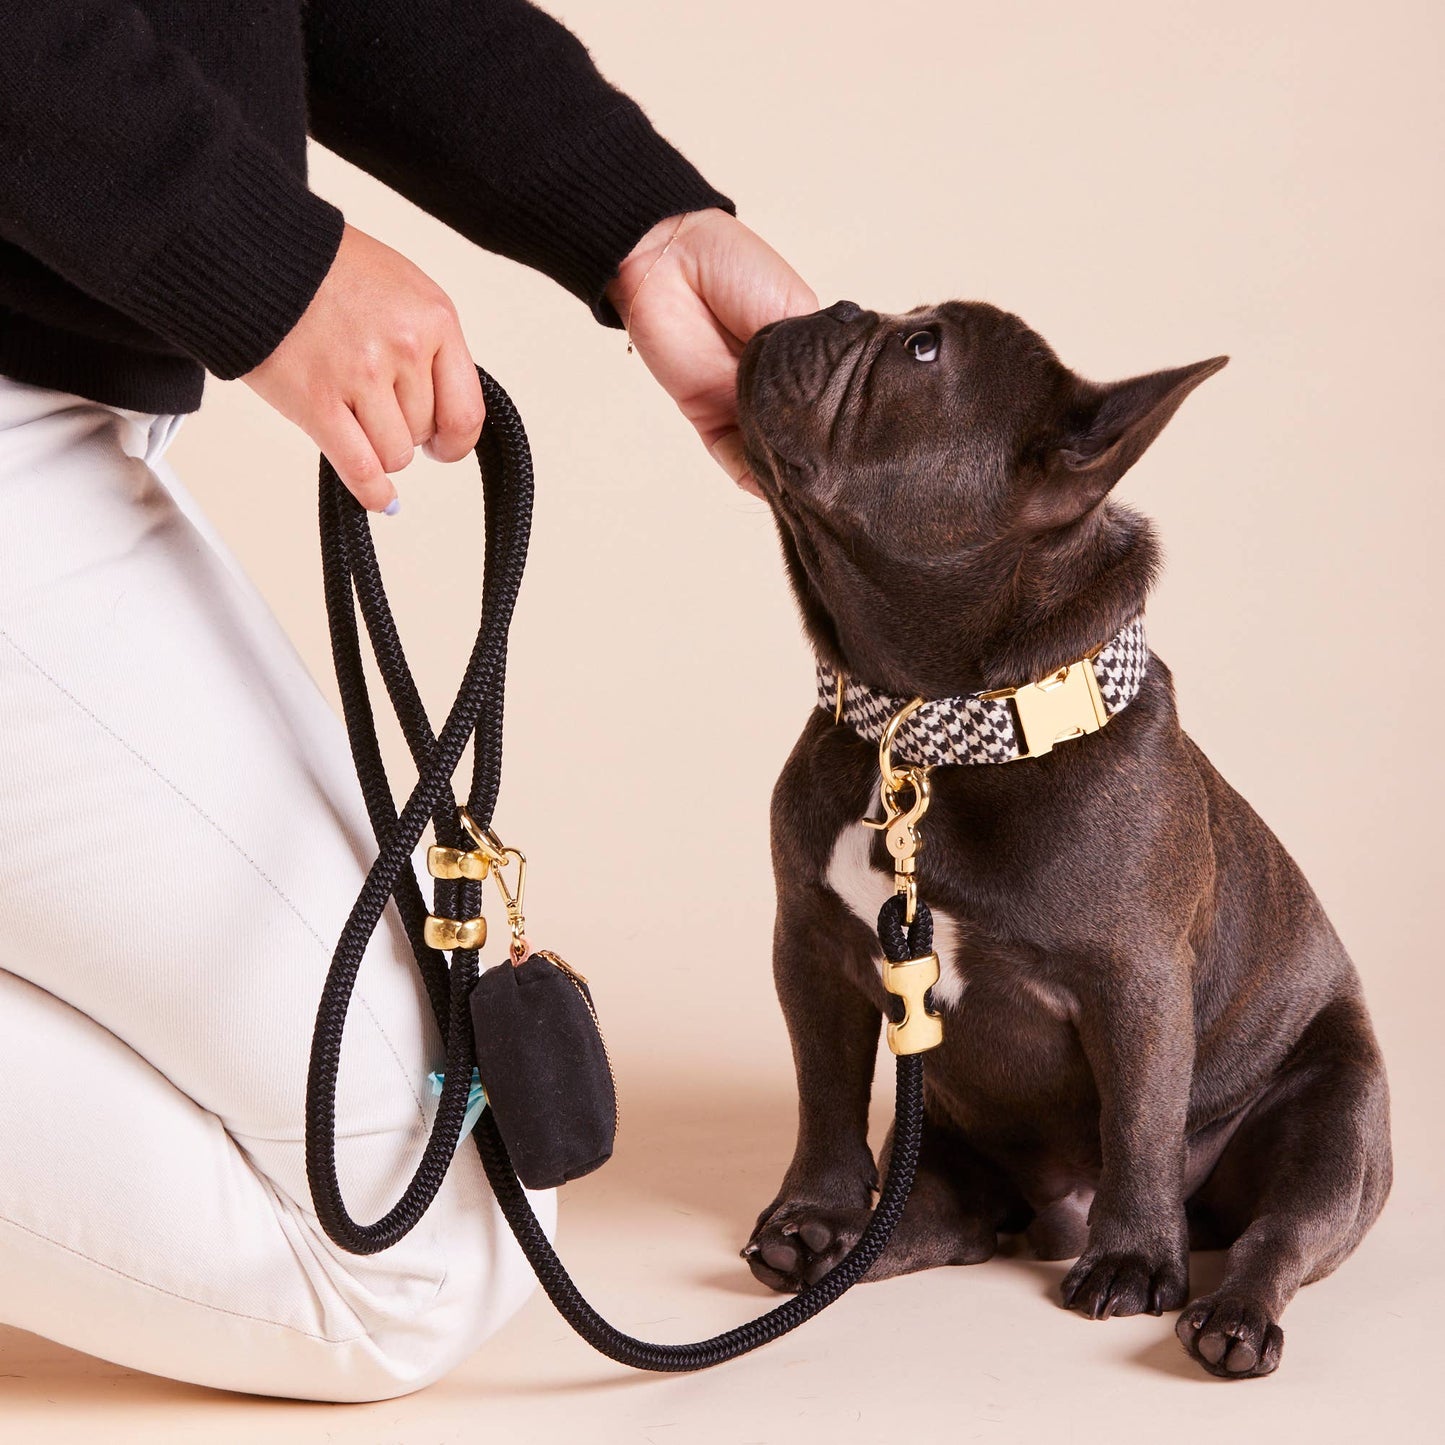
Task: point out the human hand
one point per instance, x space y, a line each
716 285
376 367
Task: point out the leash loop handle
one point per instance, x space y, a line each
352 579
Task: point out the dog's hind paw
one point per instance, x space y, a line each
1231 1336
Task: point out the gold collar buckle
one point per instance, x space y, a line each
1066 704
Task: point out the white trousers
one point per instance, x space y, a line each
181 838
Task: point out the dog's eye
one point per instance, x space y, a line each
921 345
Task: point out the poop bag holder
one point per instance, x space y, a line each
528 1025
544 1066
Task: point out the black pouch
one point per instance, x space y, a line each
544 1066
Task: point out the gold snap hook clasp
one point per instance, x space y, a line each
500 856
512 901
489 858
909 978
899 823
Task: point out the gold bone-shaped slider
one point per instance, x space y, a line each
910 980
451 933
452 863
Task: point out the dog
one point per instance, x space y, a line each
1154 1039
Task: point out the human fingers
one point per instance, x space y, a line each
347 447
380 416
460 407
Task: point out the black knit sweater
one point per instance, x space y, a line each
154 215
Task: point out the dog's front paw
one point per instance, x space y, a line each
1104 1282
1231 1336
798 1244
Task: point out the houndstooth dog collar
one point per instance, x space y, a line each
1004 725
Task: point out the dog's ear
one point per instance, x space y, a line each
1106 430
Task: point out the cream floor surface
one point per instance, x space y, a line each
956 1355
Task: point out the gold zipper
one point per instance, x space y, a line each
579 982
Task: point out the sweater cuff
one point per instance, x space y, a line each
232 282
576 215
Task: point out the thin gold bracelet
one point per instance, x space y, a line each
632 304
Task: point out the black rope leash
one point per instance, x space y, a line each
645 1355
352 578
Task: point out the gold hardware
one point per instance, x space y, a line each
838 699
910 980
512 902
557 961
449 933
454 863
906 886
1066 704
580 984
491 858
900 832
890 731
488 844
899 824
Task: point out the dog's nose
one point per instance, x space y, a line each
843 310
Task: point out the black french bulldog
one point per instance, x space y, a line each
1154 1039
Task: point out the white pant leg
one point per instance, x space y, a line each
181 838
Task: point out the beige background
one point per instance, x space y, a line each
1147 185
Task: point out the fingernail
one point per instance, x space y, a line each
727 452
392 507
730 454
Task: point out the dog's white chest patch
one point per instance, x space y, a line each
865 890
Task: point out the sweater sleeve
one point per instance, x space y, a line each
491 116
127 172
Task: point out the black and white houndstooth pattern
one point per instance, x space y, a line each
1121 665
971 729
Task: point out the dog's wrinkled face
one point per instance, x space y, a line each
906 428
947 444
941 429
